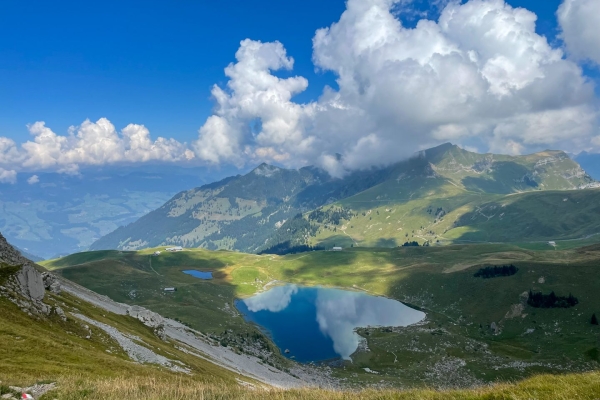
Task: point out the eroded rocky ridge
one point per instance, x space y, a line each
24 284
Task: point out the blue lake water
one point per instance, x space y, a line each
198 274
316 323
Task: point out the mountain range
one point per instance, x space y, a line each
441 195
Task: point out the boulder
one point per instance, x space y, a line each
523 297
516 310
51 283
494 328
59 311
31 283
147 317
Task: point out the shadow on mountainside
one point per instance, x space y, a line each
506 177
534 216
386 242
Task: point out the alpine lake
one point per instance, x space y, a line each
198 274
312 324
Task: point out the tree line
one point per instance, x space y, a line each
495 271
284 248
539 300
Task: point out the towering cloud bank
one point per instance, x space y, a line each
479 75
579 21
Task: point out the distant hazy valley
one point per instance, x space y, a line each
62 214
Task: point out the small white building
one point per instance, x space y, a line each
170 289
174 249
552 243
336 248
156 253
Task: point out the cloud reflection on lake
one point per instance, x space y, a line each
322 321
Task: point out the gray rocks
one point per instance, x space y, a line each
26 289
36 391
494 328
148 318
9 255
51 283
160 332
516 310
31 283
136 352
523 297
59 311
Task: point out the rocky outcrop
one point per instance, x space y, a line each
51 283
9 255
148 318
494 328
26 287
30 283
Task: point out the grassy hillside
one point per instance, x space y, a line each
50 349
447 214
439 280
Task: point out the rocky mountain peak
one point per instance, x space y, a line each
9 255
266 170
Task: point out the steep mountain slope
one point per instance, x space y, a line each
257 211
449 195
261 198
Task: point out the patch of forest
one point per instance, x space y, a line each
333 215
291 237
539 300
284 248
496 271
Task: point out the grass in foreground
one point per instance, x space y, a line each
75 387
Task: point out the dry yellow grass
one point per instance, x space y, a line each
76 387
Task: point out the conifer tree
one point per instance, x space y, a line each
594 320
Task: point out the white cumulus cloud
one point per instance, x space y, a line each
254 94
579 21
91 143
33 180
479 75
8 176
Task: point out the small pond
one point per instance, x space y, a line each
316 323
198 274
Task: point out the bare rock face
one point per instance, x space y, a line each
31 283
9 255
26 287
148 318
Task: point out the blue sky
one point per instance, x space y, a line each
154 63
148 62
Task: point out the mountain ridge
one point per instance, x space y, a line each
244 212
